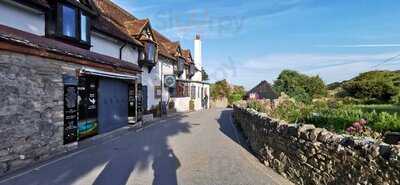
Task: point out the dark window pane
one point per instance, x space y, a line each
151 52
69 21
84 30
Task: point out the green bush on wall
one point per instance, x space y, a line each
191 105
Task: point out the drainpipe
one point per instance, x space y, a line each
120 50
162 86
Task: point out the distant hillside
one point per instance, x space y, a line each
380 86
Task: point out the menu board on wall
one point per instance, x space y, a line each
139 101
87 101
70 109
131 103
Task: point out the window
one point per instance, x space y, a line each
191 70
68 21
84 28
181 90
193 92
151 52
73 24
181 65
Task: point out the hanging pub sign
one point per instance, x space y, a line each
87 102
170 81
70 109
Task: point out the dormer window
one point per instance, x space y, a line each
69 25
72 24
192 69
181 65
151 52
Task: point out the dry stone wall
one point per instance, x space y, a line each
308 155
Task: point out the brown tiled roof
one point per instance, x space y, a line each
114 12
46 45
263 90
162 49
136 26
188 56
104 25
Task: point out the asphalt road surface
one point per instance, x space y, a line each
201 148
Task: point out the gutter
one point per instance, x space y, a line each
120 50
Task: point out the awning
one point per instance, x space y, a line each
107 74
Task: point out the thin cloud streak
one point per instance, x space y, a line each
359 46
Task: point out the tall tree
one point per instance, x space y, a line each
299 86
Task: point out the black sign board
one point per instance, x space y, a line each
87 102
70 109
139 101
131 101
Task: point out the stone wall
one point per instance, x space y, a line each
308 155
31 111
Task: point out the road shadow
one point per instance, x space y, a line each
114 161
230 129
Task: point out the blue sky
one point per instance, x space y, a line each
249 41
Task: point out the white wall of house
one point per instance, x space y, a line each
182 104
151 80
111 47
130 54
167 69
22 17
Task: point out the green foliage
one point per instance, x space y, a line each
256 105
236 94
299 86
191 105
375 87
220 89
342 117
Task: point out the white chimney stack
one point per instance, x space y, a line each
197 52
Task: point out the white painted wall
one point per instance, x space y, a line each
182 104
105 45
130 54
167 69
109 46
151 80
22 17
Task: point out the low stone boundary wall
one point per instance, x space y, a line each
308 155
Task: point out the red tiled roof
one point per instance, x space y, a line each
53 46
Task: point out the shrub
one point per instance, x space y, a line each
191 105
257 105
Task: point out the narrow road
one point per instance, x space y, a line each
201 148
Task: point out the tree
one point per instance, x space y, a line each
220 89
381 86
237 94
204 75
299 86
